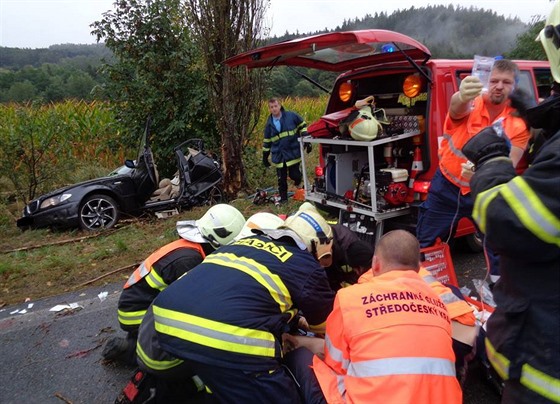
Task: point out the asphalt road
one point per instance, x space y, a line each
56 358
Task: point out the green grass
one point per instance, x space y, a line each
54 269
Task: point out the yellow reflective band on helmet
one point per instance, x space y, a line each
481 204
155 364
530 211
155 280
499 361
131 317
272 282
214 334
541 383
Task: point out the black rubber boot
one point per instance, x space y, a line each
115 348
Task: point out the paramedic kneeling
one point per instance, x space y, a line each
389 338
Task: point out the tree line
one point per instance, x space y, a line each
70 71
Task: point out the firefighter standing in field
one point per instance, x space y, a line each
520 216
281 133
449 197
218 226
224 320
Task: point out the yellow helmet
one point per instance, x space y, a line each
313 230
550 40
218 226
260 220
364 127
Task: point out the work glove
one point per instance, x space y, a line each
470 88
521 101
308 148
265 159
486 145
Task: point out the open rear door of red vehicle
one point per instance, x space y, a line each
336 51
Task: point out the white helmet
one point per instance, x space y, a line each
219 225
364 127
313 230
260 220
550 39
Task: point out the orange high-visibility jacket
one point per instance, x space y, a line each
458 132
458 308
388 341
146 268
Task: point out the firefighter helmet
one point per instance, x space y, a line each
550 39
260 220
313 230
218 226
364 127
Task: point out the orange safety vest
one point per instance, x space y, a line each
458 309
457 133
146 269
389 341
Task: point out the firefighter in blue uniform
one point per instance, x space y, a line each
520 216
281 133
218 226
224 320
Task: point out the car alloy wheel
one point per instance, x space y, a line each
98 212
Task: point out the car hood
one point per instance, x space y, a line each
336 51
95 181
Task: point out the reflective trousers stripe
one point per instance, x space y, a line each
272 282
533 379
214 334
402 366
530 211
131 317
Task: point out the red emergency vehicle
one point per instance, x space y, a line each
377 185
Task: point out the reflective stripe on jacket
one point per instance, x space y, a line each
284 146
389 340
458 308
520 216
146 268
232 309
152 276
457 133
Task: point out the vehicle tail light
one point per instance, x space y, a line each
345 91
412 85
421 187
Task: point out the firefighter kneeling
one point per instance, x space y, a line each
224 319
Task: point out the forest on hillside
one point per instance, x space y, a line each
71 71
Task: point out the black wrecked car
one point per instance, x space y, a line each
130 190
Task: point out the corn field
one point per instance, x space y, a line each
44 147
47 146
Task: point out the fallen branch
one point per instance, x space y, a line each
106 274
72 240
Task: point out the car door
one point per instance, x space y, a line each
144 175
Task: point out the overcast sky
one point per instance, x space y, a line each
41 23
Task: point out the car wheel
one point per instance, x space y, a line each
474 242
213 196
98 212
